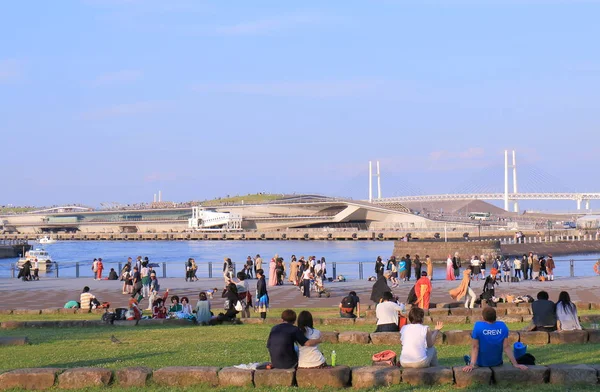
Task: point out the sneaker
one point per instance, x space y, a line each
467 360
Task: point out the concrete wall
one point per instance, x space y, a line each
439 251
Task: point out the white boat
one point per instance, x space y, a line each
44 260
46 240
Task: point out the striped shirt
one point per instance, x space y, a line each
85 299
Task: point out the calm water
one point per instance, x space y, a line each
346 254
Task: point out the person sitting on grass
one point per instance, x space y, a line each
488 339
85 299
159 311
566 313
387 314
175 305
348 305
544 313
203 313
282 340
309 357
417 341
231 299
186 308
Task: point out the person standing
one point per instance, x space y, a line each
257 263
450 269
36 269
535 268
550 267
307 275
227 270
418 266
505 266
464 290
525 266
456 264
429 267
379 267
517 266
324 267
408 267
482 266
248 268
273 271
95 268
99 269
530 262
402 270
262 297
145 274
293 278
423 291
137 283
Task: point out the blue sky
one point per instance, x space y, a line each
112 100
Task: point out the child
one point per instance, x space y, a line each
186 307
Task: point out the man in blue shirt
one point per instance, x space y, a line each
489 339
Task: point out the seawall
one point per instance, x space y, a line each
440 250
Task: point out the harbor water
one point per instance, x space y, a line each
351 259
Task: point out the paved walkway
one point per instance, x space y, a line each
53 293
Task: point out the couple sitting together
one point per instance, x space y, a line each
488 340
284 337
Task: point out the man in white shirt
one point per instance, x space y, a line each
387 314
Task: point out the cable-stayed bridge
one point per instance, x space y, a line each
508 196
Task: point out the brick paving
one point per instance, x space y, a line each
53 293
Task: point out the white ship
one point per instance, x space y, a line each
44 260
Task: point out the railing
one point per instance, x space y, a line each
354 270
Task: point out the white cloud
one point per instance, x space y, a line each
325 89
117 77
10 70
269 25
124 110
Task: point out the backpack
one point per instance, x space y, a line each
347 304
120 313
108 317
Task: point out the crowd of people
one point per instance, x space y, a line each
526 267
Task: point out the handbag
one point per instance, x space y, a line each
238 306
384 358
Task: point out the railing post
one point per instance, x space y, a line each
334 269
120 269
572 267
77 269
164 268
210 269
360 270
55 269
12 270
234 269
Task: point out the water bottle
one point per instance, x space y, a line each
333 356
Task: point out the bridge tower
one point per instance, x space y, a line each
378 175
514 178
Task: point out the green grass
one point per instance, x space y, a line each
226 345
248 199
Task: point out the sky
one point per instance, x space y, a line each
113 100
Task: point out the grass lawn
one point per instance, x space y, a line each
226 345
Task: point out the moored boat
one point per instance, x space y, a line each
44 260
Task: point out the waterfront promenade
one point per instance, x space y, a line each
54 293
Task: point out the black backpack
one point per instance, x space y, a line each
348 303
120 314
108 317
